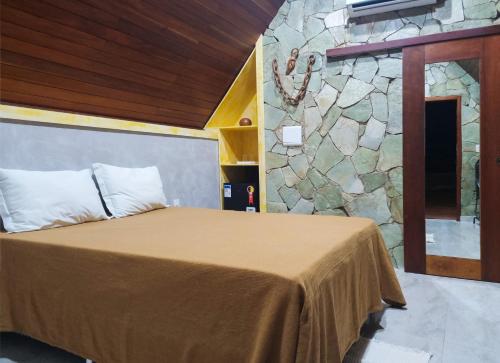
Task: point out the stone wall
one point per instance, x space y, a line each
350 163
449 78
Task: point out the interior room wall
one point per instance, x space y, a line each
351 160
188 166
446 79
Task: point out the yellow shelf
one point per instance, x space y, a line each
241 143
236 164
239 128
241 99
237 144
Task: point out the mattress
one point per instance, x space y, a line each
198 285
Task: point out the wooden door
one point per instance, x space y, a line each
487 49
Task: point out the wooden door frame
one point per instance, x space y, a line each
414 159
490 160
414 60
458 168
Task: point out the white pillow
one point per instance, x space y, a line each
128 191
31 200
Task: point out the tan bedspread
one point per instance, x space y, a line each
198 285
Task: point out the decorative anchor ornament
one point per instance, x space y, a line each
289 68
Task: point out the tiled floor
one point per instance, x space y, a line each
458 321
452 238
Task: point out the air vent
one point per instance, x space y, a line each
369 7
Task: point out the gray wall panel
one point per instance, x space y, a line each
188 166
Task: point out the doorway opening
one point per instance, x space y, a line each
443 157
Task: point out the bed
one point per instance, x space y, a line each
198 285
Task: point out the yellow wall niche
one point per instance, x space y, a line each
241 148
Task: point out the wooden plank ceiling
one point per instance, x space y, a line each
163 61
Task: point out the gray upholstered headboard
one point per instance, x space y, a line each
188 166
